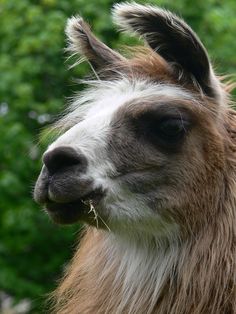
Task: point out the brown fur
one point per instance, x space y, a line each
201 279
195 289
204 275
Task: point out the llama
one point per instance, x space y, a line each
145 157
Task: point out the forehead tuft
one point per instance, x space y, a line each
148 64
140 63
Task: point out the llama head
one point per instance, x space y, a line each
144 144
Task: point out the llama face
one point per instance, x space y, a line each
141 139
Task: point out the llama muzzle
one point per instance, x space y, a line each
63 188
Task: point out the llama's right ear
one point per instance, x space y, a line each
83 42
170 37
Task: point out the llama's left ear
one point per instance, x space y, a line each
82 41
170 37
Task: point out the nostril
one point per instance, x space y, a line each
63 157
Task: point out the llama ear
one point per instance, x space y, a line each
82 41
171 37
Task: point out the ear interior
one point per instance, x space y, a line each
171 37
83 41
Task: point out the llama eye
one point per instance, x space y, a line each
166 131
172 128
163 129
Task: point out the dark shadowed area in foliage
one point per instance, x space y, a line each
33 89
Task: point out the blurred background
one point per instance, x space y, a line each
34 85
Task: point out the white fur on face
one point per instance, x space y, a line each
95 110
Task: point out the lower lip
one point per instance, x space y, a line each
53 206
67 213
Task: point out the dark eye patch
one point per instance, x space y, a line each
170 129
165 127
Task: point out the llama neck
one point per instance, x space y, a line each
110 276
144 269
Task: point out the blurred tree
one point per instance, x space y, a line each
33 86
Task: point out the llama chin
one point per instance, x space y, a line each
145 157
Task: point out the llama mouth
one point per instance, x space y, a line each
72 212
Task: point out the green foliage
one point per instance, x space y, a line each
33 87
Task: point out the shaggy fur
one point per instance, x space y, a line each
165 239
